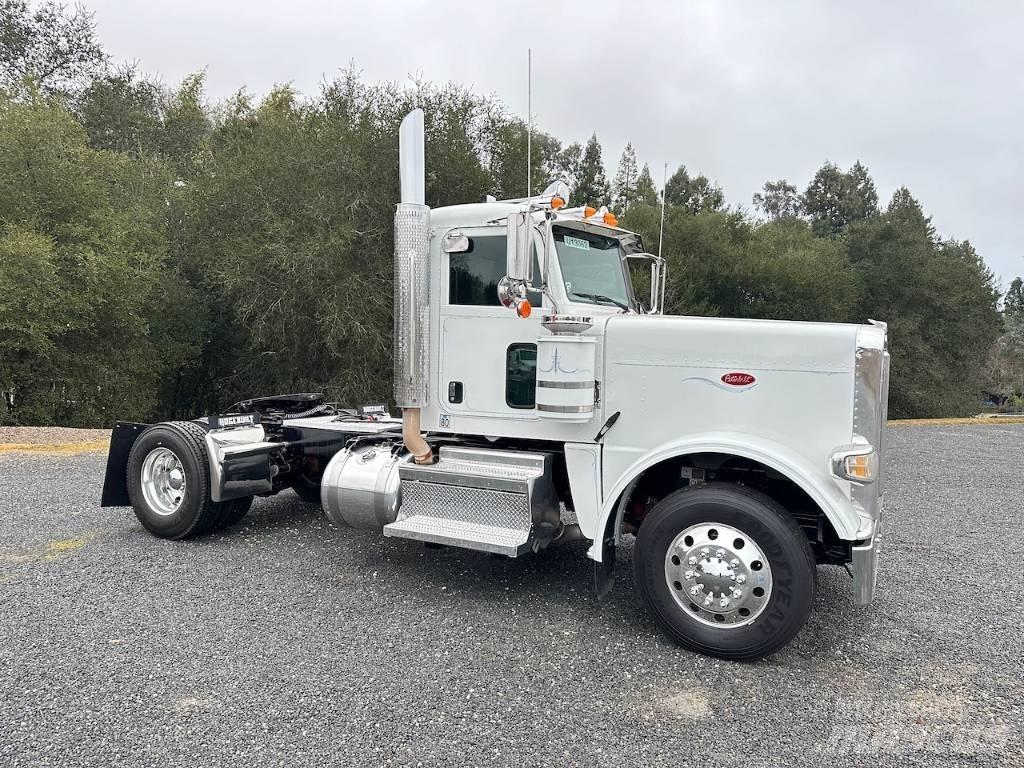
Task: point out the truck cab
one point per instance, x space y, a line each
489 387
543 403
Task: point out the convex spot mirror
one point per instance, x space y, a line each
455 242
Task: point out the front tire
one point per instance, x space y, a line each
725 571
169 483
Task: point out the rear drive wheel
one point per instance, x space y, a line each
725 570
169 483
308 490
234 511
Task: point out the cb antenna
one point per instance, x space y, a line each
529 121
661 234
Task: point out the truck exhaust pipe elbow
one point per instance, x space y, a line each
413 438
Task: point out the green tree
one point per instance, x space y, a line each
92 226
1012 339
1004 371
289 226
905 210
185 125
507 154
624 187
788 274
693 194
122 112
645 190
1013 303
722 264
55 48
591 185
568 168
940 302
705 255
835 199
778 200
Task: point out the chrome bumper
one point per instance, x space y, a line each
865 568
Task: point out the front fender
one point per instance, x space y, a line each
817 482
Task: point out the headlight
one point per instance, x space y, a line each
857 463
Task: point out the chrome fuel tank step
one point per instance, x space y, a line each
493 501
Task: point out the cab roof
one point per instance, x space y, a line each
482 214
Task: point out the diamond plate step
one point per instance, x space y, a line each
487 500
437 530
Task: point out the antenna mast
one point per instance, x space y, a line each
664 183
529 121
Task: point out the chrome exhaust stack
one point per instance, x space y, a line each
412 295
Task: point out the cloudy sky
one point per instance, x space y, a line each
926 94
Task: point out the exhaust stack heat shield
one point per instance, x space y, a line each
412 274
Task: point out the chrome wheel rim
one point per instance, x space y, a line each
718 575
163 481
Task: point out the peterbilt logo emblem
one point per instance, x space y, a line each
738 379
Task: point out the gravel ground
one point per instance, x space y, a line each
289 642
51 435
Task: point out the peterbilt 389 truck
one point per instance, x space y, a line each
542 402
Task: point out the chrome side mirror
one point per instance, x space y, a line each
519 240
658 275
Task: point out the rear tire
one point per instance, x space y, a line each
725 570
306 489
169 483
234 511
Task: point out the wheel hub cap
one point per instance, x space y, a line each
163 481
718 574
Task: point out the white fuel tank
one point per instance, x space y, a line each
565 377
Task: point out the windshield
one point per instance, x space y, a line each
592 268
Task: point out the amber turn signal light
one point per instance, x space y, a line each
556 203
523 309
588 212
610 220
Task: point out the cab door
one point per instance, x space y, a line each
488 353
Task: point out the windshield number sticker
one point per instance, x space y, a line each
577 242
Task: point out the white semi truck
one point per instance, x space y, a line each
532 383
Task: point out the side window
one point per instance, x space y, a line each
521 376
473 275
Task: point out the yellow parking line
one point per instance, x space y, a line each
53 550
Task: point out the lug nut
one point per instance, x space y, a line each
720 554
695 589
737 593
709 600
724 602
705 552
691 574
740 579
691 561
734 563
